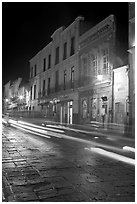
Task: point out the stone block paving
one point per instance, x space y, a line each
35 172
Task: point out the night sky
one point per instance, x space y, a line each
27 28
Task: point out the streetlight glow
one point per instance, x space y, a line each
99 77
21 97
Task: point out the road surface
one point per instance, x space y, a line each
47 167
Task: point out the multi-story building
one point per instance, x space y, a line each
131 51
54 76
11 94
72 77
23 97
96 63
17 97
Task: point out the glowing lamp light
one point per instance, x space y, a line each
7 99
21 97
99 77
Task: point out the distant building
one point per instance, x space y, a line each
23 96
131 51
16 97
11 95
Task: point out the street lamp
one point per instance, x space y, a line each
21 97
99 77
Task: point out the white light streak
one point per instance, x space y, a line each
36 130
112 155
37 126
36 133
131 149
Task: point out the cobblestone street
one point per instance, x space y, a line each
41 170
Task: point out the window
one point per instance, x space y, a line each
43 87
93 108
65 51
31 93
105 61
44 64
72 49
84 66
57 56
35 70
72 77
48 86
84 108
65 75
95 64
34 91
31 72
49 65
56 80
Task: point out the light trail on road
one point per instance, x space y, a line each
37 126
112 155
36 133
96 147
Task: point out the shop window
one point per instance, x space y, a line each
84 108
93 108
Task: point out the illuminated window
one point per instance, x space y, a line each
95 64
93 107
84 108
84 66
105 61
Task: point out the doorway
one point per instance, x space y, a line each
70 112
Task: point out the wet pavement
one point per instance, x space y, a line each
40 169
